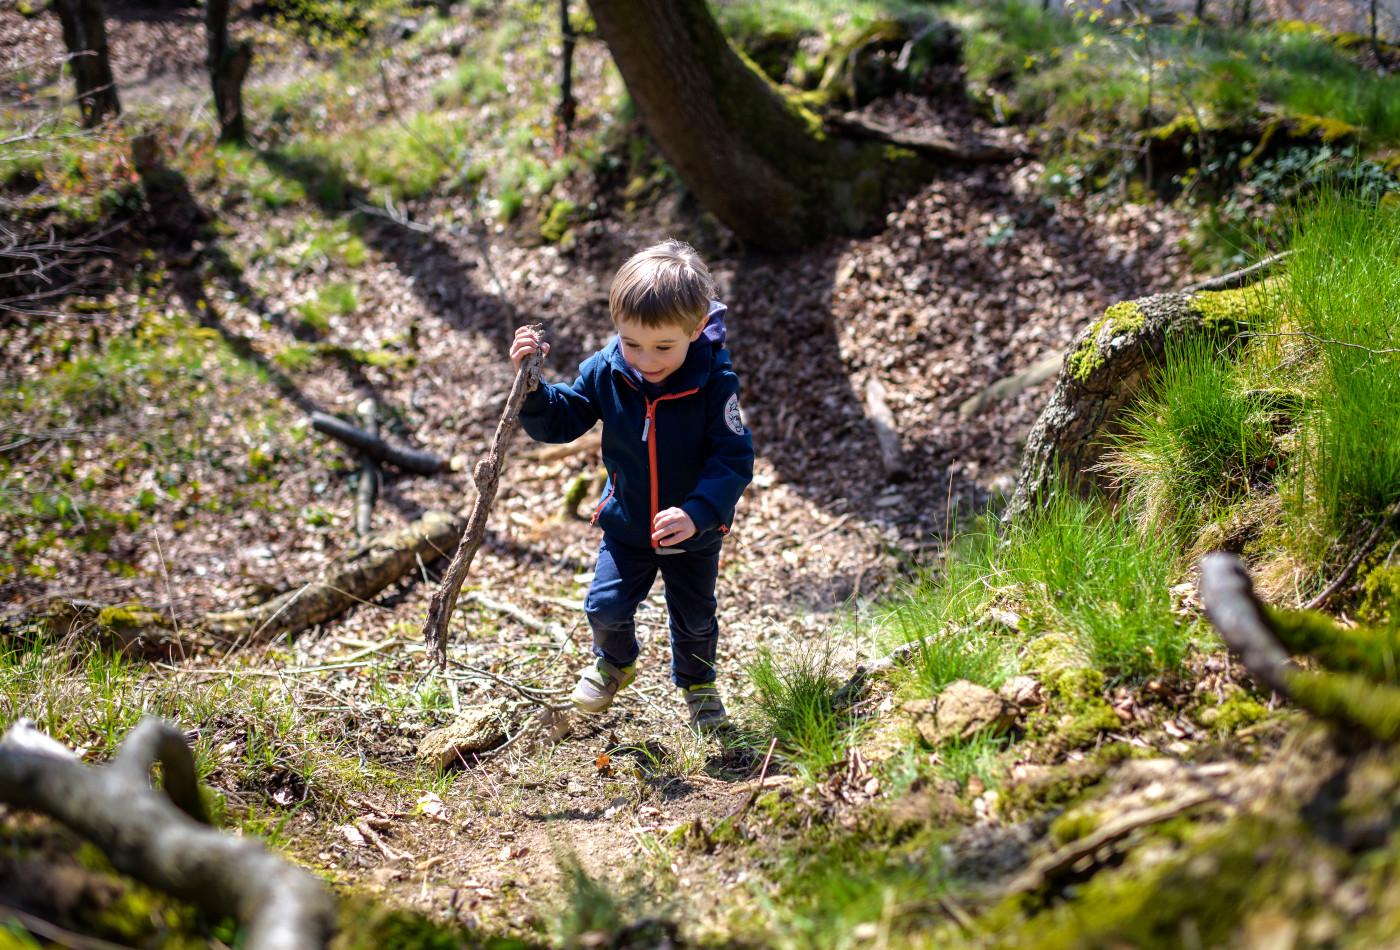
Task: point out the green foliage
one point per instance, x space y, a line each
979 756
1195 441
1087 570
796 701
1341 297
945 611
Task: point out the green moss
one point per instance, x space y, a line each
1066 783
129 617
1206 889
561 216
1380 599
1227 311
1072 825
1120 318
1237 710
1352 699
1327 128
1076 713
1374 653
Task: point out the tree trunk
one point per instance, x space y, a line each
228 65
754 159
85 35
1107 364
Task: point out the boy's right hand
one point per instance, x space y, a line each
526 341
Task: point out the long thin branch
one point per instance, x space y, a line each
488 477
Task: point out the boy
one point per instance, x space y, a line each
677 456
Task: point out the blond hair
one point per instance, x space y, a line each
664 285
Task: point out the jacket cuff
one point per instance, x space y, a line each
702 513
537 400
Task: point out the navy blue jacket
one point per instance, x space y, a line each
681 444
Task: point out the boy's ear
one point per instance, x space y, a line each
700 328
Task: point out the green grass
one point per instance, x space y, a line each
1087 570
339 298
945 611
795 700
1194 442
1342 299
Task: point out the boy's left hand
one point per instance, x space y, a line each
671 526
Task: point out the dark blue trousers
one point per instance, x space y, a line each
623 579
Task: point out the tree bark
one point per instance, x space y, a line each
754 159
85 36
163 839
228 65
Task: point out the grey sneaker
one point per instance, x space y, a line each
598 684
705 706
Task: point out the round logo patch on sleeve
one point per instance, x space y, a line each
732 418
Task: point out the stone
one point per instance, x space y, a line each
1024 691
965 710
477 729
921 712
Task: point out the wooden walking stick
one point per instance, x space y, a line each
487 475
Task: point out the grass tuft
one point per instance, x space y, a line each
796 700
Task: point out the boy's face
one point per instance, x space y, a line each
656 352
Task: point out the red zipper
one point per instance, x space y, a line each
612 490
649 437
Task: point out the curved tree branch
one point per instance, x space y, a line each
162 838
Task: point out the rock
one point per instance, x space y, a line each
966 709
921 711
477 729
1024 691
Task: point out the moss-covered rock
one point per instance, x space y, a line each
1380 598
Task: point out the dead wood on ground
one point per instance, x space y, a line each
163 838
417 461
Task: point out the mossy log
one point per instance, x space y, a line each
1106 365
380 561
164 839
1355 700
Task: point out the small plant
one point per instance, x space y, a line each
796 700
1342 295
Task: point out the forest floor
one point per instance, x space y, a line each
974 277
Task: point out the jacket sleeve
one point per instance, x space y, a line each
728 467
558 413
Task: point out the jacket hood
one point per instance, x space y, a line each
706 354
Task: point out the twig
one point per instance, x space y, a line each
163 838
529 693
1053 866
762 777
487 475
1341 579
1327 341
547 628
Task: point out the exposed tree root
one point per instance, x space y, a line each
163 838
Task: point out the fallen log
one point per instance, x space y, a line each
487 476
886 435
355 579
163 838
417 461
